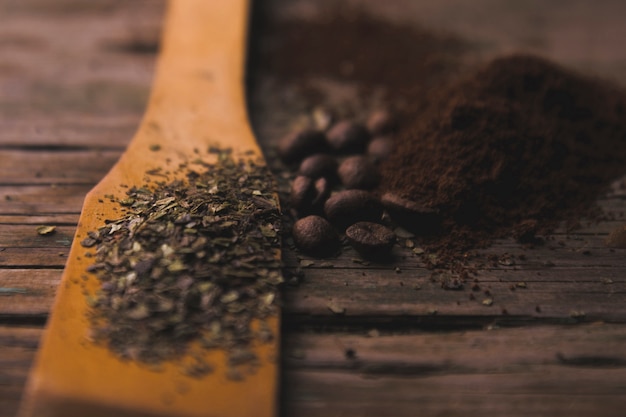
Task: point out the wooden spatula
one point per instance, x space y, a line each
197 101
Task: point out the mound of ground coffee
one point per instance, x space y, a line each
515 148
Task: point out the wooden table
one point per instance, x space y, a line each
74 77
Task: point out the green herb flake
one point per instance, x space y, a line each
189 260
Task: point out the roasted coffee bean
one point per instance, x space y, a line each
411 215
308 195
358 172
314 235
319 165
380 148
348 136
301 192
298 145
322 192
380 122
350 206
371 240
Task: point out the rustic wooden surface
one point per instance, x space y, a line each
74 79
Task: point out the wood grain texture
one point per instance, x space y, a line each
522 371
38 133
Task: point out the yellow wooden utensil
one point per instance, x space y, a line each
197 100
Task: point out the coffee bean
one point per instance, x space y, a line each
380 148
348 136
308 195
298 145
314 235
322 192
319 165
301 192
350 206
411 215
380 122
358 172
371 240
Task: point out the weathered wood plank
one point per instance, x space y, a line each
11 258
380 296
56 219
388 294
28 292
542 370
26 236
42 199
17 351
55 166
86 131
545 391
378 351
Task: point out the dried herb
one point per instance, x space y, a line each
46 230
190 260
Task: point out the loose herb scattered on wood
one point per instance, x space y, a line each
190 260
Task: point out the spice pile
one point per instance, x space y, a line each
192 260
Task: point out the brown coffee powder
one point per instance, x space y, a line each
513 149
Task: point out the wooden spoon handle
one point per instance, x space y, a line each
197 101
198 94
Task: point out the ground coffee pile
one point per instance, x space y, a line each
511 149
515 148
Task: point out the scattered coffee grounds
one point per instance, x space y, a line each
190 260
512 150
